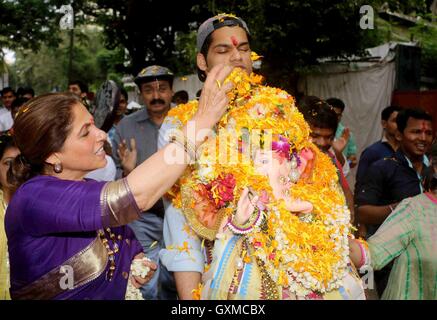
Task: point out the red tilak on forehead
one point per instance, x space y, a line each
423 126
234 41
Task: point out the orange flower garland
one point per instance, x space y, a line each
305 254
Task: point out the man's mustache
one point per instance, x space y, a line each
157 101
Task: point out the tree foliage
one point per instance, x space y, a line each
410 7
147 29
294 34
46 69
29 23
290 34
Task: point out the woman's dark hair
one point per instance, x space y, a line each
40 128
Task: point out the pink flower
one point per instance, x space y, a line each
282 146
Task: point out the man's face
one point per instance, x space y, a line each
322 137
229 45
122 105
390 125
339 113
74 88
157 96
7 99
417 137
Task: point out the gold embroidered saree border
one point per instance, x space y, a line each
88 264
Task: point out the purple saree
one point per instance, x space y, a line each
52 228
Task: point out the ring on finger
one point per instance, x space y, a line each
219 85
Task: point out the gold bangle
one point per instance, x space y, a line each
182 141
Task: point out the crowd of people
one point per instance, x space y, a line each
83 185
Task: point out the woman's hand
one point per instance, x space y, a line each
128 158
139 281
213 101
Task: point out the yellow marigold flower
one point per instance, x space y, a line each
310 247
197 293
254 56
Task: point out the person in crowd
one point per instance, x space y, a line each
390 180
117 103
8 96
323 122
180 97
306 106
16 105
135 141
407 238
8 152
385 148
350 151
26 93
80 89
57 223
105 108
109 97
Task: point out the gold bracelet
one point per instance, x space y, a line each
182 141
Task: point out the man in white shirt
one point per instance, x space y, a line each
6 121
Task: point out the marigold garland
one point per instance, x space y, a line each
305 254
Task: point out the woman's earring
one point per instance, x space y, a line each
57 167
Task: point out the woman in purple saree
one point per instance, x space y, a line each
67 236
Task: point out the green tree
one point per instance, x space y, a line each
290 34
47 69
426 34
27 24
294 34
149 30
